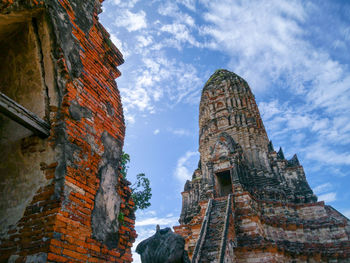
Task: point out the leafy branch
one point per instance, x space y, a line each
125 158
141 190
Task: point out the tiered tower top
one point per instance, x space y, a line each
228 106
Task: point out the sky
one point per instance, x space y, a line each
295 55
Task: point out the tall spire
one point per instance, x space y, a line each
228 105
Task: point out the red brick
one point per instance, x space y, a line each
74 254
56 258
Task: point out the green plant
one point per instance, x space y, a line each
141 190
125 158
121 217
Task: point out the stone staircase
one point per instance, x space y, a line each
211 245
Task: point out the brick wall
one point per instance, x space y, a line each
85 211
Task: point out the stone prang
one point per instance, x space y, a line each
163 247
246 202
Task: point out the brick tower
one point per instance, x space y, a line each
246 202
62 195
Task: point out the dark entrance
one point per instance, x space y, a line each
224 183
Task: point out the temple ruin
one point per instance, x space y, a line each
62 196
246 202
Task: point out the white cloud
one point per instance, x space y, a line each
122 46
156 131
347 213
180 132
323 154
156 77
145 213
181 28
337 171
185 166
131 21
153 221
329 197
137 97
136 258
181 34
130 119
297 123
322 188
320 125
190 4
268 44
171 9
144 41
168 9
123 4
269 109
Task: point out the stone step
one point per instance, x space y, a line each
212 242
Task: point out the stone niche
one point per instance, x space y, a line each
224 183
26 77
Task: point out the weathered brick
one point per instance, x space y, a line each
58 219
56 258
74 255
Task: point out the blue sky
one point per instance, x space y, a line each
295 56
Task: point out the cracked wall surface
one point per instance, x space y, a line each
72 188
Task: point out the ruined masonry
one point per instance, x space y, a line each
62 196
246 202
